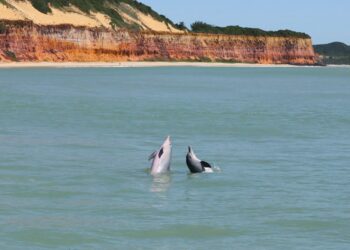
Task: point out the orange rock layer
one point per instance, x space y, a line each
25 41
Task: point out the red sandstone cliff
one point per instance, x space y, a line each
26 41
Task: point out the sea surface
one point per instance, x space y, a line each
74 145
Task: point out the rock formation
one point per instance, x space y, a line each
27 40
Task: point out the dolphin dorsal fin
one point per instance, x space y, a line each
205 164
152 155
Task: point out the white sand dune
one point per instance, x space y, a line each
9 13
23 10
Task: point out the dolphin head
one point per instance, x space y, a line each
167 142
162 158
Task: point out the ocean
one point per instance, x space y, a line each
74 144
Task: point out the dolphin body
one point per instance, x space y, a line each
196 165
161 159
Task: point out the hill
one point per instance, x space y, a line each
128 14
334 53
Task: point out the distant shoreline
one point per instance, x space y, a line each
146 65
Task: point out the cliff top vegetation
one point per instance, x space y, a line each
201 27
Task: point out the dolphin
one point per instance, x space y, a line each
161 158
196 165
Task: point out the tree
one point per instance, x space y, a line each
181 26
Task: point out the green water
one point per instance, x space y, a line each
74 145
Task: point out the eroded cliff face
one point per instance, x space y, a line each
25 41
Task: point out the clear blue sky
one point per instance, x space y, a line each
325 20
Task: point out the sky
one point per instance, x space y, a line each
325 20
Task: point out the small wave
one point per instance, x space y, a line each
217 169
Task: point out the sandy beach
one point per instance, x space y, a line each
137 65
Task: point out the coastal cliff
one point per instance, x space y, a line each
127 30
26 41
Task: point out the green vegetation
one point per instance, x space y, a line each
181 26
41 5
11 55
334 53
333 49
3 28
201 27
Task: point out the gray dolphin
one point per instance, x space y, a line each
196 165
161 158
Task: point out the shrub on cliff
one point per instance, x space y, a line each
10 55
41 5
181 26
201 27
2 28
